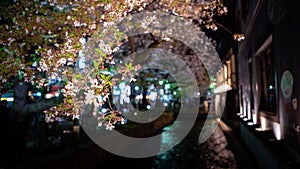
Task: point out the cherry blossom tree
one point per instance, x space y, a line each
41 39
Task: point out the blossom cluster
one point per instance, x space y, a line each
41 40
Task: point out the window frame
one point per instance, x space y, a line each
268 94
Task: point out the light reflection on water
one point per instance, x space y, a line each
185 152
168 137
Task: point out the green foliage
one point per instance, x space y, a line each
96 64
129 66
77 76
100 53
106 1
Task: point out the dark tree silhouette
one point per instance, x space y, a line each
18 122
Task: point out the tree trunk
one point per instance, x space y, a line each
19 122
21 108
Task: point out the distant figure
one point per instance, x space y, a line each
209 102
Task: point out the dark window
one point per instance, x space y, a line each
245 9
268 95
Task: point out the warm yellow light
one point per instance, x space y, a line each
277 132
254 115
263 123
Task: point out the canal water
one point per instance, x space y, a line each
190 153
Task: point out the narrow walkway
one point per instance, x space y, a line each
242 154
212 154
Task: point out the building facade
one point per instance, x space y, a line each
226 91
268 67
